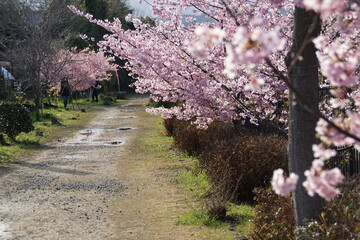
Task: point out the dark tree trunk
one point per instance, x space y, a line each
304 78
2 140
37 108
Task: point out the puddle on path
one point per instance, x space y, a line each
91 137
88 135
95 143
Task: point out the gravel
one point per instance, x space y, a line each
63 191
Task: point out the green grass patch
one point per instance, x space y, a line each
194 180
103 102
191 178
6 152
201 218
54 123
243 214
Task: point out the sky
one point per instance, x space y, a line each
142 9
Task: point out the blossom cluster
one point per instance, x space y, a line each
322 181
318 180
281 185
82 69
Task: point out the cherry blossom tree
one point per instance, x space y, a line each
83 69
86 67
245 63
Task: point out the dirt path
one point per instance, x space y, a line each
84 188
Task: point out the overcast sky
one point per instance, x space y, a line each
142 9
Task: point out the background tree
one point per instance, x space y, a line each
33 31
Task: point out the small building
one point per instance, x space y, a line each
6 79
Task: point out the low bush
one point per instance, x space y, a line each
341 217
14 119
169 125
238 165
235 159
274 216
188 138
108 100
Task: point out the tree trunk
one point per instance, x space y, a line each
304 78
37 107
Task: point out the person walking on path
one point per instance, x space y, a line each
95 91
65 90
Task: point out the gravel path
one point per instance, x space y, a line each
64 190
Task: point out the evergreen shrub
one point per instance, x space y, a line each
14 119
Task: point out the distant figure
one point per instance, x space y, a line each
65 90
95 91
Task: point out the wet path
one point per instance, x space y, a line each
65 190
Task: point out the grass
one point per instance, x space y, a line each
103 103
155 147
189 177
201 218
44 131
196 183
243 214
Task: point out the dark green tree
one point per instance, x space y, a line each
102 9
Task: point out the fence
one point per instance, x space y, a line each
347 160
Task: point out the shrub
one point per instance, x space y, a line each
341 217
188 138
107 100
14 119
240 164
274 216
169 125
236 159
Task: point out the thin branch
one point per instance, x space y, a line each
306 105
207 14
230 12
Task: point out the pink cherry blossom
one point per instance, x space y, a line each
83 69
323 182
325 7
321 153
281 185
